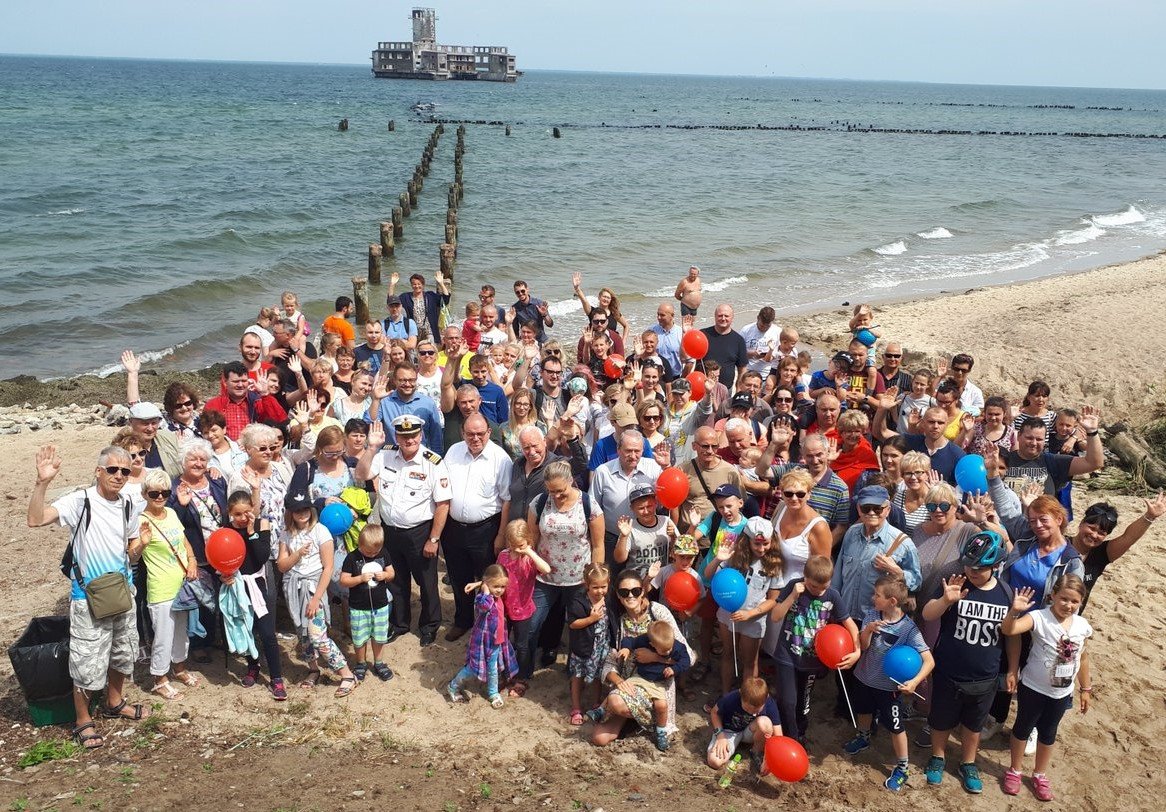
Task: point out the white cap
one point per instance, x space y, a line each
145 411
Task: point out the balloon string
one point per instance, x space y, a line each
733 625
846 694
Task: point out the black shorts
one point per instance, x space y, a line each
965 704
1036 711
886 705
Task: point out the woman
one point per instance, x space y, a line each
522 414
135 447
424 306
651 415
398 353
798 529
1036 404
322 372
947 397
596 351
990 428
1096 550
854 454
635 613
180 407
328 473
607 300
428 373
566 530
345 366
917 479
226 456
267 483
358 399
786 377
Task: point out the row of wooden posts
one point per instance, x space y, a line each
393 231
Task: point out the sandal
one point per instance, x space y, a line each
577 717
311 680
166 690
518 689
188 678
347 686
118 712
88 741
383 672
360 670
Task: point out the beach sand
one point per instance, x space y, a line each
1092 336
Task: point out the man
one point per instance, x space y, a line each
706 472
684 416
479 477
371 354
494 405
492 332
600 322
526 479
404 399
971 396
160 445
622 417
761 341
451 345
726 346
338 322
891 372
398 325
245 401
944 455
689 293
413 487
669 334
463 402
530 311
103 524
486 297
284 348
550 399
829 496
1030 463
824 418
251 352
870 549
613 482
750 384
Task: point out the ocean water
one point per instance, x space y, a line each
156 205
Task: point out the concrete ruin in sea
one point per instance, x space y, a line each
423 58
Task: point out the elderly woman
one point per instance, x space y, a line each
1093 544
635 613
345 366
917 480
180 407
855 454
522 414
266 482
358 400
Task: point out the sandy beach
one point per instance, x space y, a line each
1094 337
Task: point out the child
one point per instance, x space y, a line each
650 677
1046 685
471 329
787 342
684 554
291 311
863 328
802 388
758 559
747 716
688 292
489 652
305 558
256 535
804 606
721 528
918 400
883 627
1067 438
588 623
366 573
521 563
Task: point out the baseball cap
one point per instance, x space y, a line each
758 527
741 400
843 357
297 501
641 491
681 385
726 489
145 411
872 495
623 415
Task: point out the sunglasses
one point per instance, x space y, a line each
794 494
784 400
961 370
184 404
942 507
653 417
427 352
137 455
632 592
114 470
599 321
706 446
267 448
870 510
159 494
332 454
556 353
892 355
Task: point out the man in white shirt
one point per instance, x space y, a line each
971 396
479 473
612 484
491 333
761 342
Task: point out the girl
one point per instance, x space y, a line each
589 637
256 534
305 557
918 400
757 558
169 560
1036 404
489 652
1046 684
990 429
291 311
521 563
883 627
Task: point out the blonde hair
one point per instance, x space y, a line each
156 479
754 691
516 532
495 574
942 492
798 476
915 459
371 536
594 573
660 633
853 419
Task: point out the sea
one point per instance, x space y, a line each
156 205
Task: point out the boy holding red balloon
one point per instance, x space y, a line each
682 590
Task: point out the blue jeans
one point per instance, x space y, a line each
545 596
492 666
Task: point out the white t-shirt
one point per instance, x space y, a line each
310 540
431 385
764 343
493 336
101 547
1056 654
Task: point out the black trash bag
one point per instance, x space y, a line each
40 658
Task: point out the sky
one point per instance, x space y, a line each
1069 43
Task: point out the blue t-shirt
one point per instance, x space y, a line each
942 461
495 407
734 717
795 645
404 329
1032 570
605 450
903 632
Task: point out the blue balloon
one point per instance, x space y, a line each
729 589
902 663
337 518
971 475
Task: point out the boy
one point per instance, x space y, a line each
787 342
684 554
720 527
804 606
650 677
644 537
866 332
689 292
366 574
748 716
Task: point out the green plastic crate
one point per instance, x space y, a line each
56 711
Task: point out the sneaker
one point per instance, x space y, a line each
661 739
897 778
251 677
1011 783
1030 745
970 779
923 737
278 690
934 769
596 714
1041 788
857 744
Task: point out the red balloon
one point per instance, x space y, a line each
786 759
832 643
681 591
671 487
613 366
698 382
695 344
225 550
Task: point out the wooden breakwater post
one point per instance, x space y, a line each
555 132
411 190
374 263
451 237
398 223
445 255
360 298
404 201
419 177
393 126
508 129
452 197
388 240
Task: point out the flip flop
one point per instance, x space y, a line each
577 717
166 690
347 686
87 740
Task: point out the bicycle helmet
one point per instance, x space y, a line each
985 549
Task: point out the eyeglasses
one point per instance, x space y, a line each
159 494
630 592
706 446
913 474
942 507
333 454
794 494
427 352
870 510
552 372
892 355
114 470
137 455
184 404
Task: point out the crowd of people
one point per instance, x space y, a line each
482 447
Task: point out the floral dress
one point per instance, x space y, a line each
634 697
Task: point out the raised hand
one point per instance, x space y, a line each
1022 601
725 551
1157 507
1029 492
887 399
376 435
781 436
687 323
48 463
380 384
941 367
576 279
693 516
832 451
624 524
130 362
184 493
662 454
933 478
543 309
1090 418
953 589
301 414
295 365
394 278
799 587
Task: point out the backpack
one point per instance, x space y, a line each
68 561
540 505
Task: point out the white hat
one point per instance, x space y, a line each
145 411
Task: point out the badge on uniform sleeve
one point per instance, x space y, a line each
444 482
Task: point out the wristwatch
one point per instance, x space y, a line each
433 540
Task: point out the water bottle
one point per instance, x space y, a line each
730 771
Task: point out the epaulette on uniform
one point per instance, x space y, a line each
392 447
432 456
